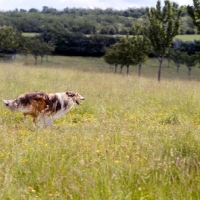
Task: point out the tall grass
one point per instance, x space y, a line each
132 138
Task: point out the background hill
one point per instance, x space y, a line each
80 20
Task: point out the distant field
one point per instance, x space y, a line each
88 64
132 138
188 37
182 37
30 34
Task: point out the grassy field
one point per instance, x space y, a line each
30 34
182 37
188 37
132 138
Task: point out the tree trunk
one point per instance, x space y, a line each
160 67
121 69
14 56
127 69
41 59
189 71
35 60
178 65
139 68
168 59
115 68
26 59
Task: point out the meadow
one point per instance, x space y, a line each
188 37
132 137
184 38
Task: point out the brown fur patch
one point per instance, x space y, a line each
38 101
55 103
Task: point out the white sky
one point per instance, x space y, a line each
6 5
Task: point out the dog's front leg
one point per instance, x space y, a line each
46 121
35 121
25 118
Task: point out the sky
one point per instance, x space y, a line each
6 5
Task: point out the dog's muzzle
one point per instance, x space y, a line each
6 103
77 101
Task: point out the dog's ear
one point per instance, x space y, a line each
70 93
67 93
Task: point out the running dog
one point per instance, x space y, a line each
47 107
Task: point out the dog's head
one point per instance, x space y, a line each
11 104
75 96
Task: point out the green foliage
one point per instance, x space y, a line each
37 47
129 50
78 44
194 12
164 24
10 39
121 53
177 56
190 61
141 46
85 21
5 37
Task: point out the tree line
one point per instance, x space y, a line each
158 36
153 38
12 41
86 21
58 43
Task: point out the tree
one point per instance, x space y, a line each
126 52
190 61
112 56
197 50
26 49
129 51
6 37
46 49
164 24
177 56
176 53
194 12
35 48
33 10
40 48
141 46
17 43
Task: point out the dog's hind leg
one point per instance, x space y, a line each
45 110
